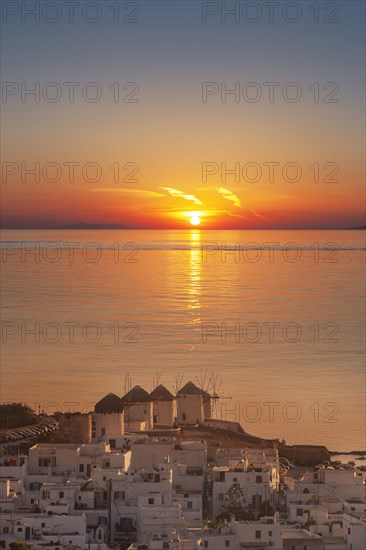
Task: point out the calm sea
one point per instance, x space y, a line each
272 322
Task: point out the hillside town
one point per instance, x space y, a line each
138 472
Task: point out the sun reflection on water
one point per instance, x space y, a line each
195 269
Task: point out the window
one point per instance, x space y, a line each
61 494
185 418
227 544
6 530
235 479
81 467
205 544
258 535
151 501
43 525
221 496
299 512
349 530
258 479
112 443
45 494
103 431
269 533
189 505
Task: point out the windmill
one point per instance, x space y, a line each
163 403
210 384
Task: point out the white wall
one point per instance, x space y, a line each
108 425
164 412
190 408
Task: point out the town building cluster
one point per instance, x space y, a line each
128 478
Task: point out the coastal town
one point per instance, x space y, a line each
159 471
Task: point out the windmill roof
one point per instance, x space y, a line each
191 389
161 393
110 403
136 395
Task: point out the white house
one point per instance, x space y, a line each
159 520
34 528
300 539
328 487
235 535
354 530
248 481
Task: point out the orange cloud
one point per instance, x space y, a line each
229 195
176 193
259 215
132 192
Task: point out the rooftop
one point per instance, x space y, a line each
161 393
111 403
191 389
298 534
136 395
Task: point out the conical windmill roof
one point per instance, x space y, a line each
161 393
136 395
110 403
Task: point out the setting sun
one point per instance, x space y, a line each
195 220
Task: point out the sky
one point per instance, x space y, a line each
171 118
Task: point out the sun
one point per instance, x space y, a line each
195 220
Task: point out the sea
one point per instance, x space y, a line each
270 323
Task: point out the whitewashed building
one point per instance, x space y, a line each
328 487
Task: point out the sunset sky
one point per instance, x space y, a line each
164 141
